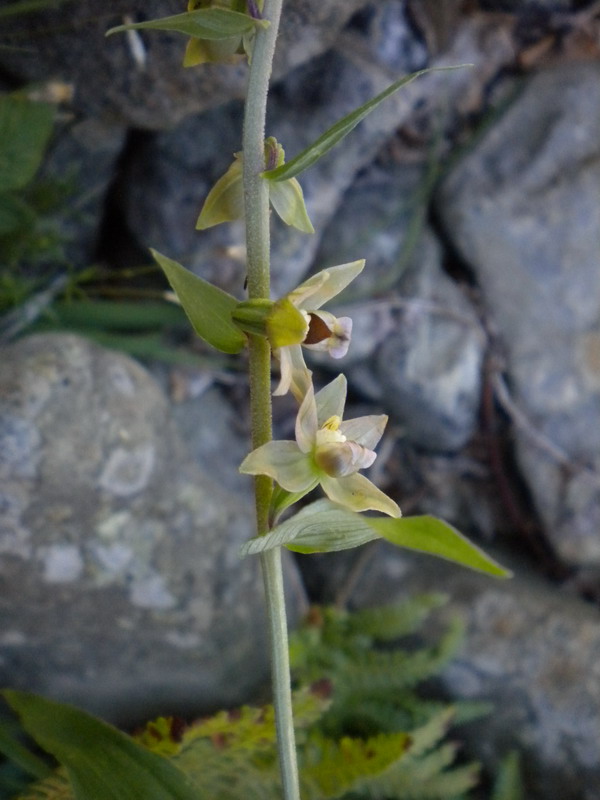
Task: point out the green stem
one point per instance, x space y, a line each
258 245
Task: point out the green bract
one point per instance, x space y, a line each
219 29
225 201
208 308
327 451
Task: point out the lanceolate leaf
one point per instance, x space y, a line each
431 535
337 132
325 527
207 307
321 527
206 23
102 762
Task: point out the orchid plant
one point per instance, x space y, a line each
328 450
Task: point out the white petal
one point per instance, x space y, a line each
331 400
365 430
284 462
358 494
306 422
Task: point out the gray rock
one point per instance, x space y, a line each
426 369
522 210
82 157
121 585
530 649
155 92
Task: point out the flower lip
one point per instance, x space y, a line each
317 330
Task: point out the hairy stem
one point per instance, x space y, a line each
256 201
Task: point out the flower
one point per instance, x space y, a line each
324 331
327 451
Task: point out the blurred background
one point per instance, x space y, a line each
473 195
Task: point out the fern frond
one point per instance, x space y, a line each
395 621
344 763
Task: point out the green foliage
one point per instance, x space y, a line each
206 23
332 136
324 526
102 763
362 729
208 308
509 784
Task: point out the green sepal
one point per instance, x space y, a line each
206 51
340 130
102 763
207 307
428 534
225 201
206 23
287 199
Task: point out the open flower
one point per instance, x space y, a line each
327 451
324 331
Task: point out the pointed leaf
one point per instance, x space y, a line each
225 201
288 201
431 535
206 23
208 308
102 762
321 527
341 129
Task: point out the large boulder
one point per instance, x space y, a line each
121 585
522 209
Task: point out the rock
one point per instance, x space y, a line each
121 586
150 90
522 210
82 158
426 370
530 649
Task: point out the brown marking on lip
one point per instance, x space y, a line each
317 330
